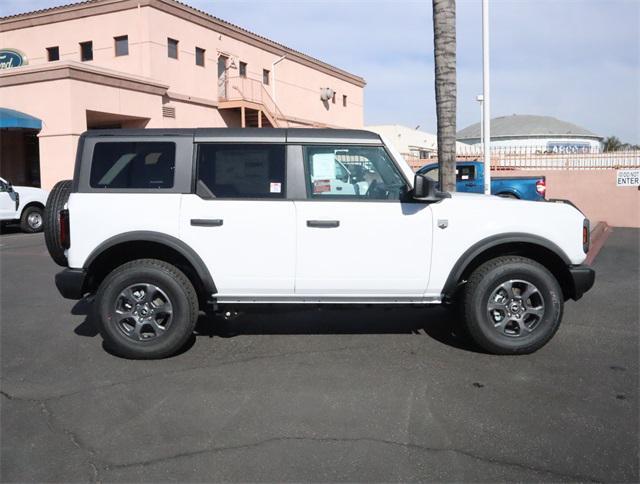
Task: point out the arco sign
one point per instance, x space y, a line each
12 58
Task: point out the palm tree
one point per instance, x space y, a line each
444 47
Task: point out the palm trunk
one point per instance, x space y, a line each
444 46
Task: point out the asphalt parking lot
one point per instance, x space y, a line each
360 394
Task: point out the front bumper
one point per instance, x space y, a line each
583 278
70 283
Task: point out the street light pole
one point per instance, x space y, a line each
480 100
486 105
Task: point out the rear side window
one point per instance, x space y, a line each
138 165
241 171
465 172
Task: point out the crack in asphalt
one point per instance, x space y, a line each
73 438
221 364
491 460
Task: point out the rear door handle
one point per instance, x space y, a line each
207 222
323 224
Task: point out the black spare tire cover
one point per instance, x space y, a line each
56 201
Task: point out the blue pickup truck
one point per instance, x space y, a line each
470 178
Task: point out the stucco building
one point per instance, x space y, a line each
149 63
537 133
411 142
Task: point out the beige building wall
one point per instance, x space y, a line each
70 96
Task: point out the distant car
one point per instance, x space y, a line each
470 178
22 204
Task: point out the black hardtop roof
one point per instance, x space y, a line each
297 135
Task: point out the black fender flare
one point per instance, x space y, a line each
493 241
158 237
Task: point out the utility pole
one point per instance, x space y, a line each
486 105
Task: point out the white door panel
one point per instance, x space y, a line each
250 246
7 206
378 248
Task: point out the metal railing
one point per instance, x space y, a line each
252 90
533 158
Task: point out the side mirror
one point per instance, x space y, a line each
424 188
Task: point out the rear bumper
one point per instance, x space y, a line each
70 283
583 278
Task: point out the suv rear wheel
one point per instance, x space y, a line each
512 305
146 309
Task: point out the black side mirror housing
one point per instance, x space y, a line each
425 189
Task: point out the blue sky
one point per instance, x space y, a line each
577 60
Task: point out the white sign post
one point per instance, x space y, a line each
628 178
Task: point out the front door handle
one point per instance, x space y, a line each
323 224
207 222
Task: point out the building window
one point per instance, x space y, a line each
243 69
172 48
53 53
423 154
265 77
344 100
86 51
199 56
121 45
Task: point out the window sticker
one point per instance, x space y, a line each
324 166
275 187
321 186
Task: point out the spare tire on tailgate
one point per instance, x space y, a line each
58 197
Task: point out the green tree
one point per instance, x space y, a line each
444 48
612 143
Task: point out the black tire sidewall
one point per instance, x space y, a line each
165 345
24 220
482 327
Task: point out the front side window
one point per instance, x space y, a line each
121 45
138 165
241 171
172 48
360 172
86 51
433 174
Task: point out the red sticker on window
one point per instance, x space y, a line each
321 186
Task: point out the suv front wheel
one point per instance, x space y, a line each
146 309
512 305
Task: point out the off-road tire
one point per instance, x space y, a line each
478 291
25 226
56 201
173 283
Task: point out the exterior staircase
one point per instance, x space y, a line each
252 101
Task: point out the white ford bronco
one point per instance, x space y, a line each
162 224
